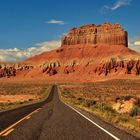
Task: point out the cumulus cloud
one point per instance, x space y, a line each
17 54
53 21
137 43
118 4
134 43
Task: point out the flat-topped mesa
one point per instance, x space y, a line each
108 34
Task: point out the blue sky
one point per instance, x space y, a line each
31 24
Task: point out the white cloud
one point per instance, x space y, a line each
134 43
118 4
53 21
137 43
16 54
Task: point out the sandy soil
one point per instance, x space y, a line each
102 88
16 98
13 90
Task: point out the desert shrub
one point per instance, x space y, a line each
80 99
138 101
89 103
104 107
135 111
30 100
21 102
109 108
99 105
117 98
93 102
125 98
76 102
86 103
65 93
123 118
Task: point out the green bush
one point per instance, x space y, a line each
135 111
123 118
76 102
89 103
108 108
86 103
104 107
93 102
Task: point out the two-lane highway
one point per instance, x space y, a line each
55 120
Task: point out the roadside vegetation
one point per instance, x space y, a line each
17 94
92 98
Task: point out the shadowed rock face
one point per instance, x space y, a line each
51 68
7 71
128 67
110 34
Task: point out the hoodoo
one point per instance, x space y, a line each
105 34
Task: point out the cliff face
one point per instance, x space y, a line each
107 34
90 50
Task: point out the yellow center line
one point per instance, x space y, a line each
8 132
5 130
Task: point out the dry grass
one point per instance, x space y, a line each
18 93
97 98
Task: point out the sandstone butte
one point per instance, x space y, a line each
86 52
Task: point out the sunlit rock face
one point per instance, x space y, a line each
108 34
86 52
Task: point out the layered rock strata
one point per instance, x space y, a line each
110 34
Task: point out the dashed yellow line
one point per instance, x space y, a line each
8 132
10 127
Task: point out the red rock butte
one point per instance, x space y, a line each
110 34
86 52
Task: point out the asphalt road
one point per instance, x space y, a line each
54 120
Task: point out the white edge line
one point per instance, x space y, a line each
92 122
